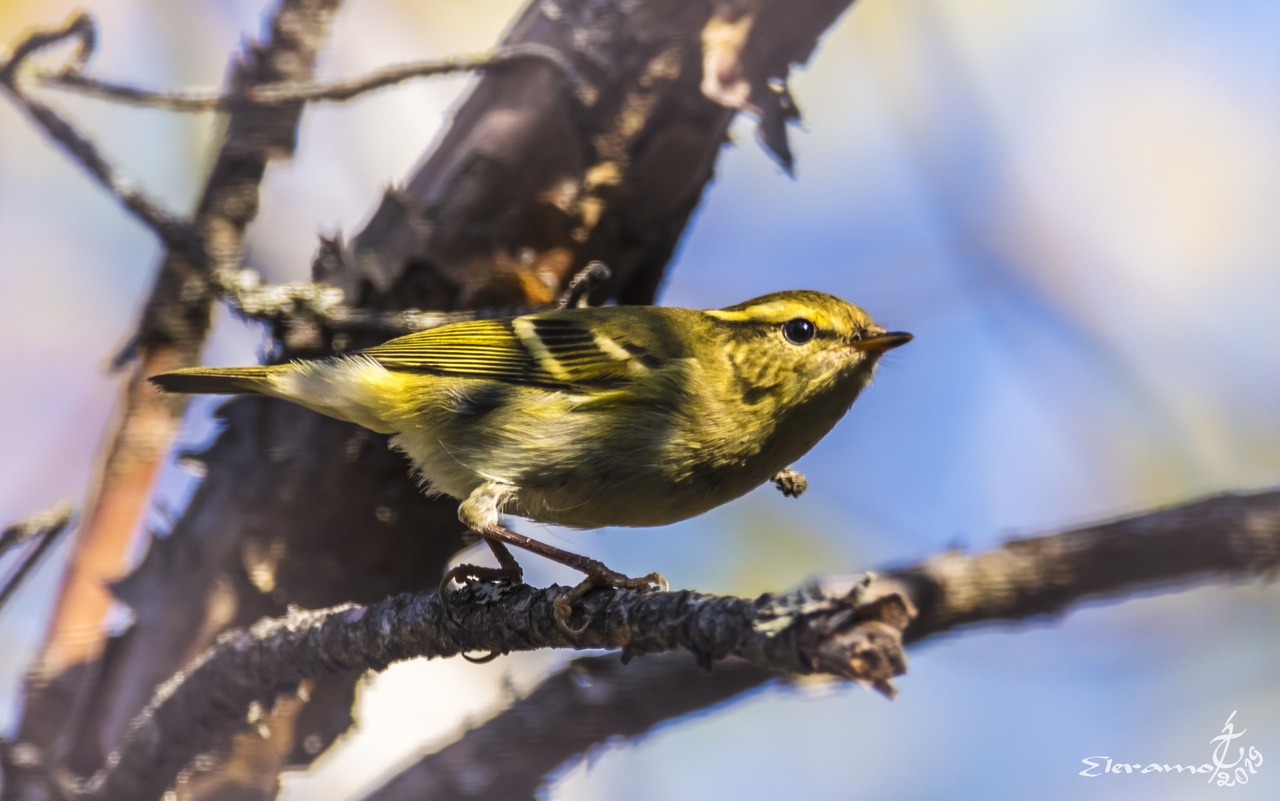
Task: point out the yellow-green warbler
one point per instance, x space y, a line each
617 416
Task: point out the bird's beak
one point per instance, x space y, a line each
882 342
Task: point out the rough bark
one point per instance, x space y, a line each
808 631
43 530
595 700
846 628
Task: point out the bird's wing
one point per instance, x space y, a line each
550 349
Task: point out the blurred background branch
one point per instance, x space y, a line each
167 226
300 92
43 530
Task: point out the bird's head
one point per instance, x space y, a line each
789 348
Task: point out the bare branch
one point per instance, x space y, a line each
170 228
314 302
851 633
594 700
45 528
807 631
1226 536
588 280
303 92
285 306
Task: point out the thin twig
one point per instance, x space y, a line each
285 304
35 526
175 232
79 27
588 279
46 528
284 93
842 632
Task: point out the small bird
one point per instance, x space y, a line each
590 417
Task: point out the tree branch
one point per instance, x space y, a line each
45 528
1227 536
312 303
167 226
286 306
303 92
595 700
241 287
846 629
840 632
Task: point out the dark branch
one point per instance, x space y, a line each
588 280
808 631
595 700
286 93
44 529
305 302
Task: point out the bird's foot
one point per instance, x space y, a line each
461 573
600 576
790 482
511 574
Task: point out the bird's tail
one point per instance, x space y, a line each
217 380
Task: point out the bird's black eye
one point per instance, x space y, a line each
798 331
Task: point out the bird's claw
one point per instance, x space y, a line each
461 574
602 578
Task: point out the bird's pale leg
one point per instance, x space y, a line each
480 512
791 482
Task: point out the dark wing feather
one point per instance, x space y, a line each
482 348
552 349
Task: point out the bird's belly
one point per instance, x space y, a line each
596 504
578 466
642 491
439 469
